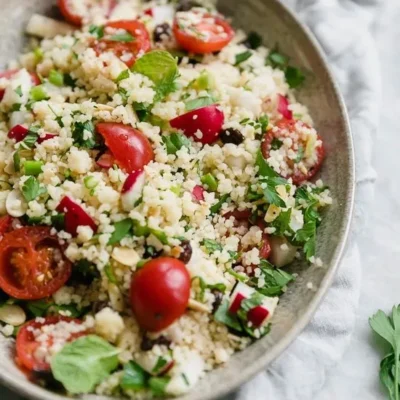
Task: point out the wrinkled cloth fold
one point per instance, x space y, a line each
343 28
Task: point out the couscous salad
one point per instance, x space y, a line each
155 173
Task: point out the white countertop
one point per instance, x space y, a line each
356 376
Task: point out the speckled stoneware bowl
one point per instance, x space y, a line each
320 94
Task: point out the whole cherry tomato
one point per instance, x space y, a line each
160 293
129 146
207 34
32 264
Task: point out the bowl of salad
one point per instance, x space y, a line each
176 187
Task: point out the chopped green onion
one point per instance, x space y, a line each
176 189
38 53
38 93
33 168
210 181
90 182
216 207
56 78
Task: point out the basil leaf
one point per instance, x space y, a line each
31 189
134 378
199 103
242 57
80 136
160 67
84 363
122 37
121 229
211 245
294 77
223 316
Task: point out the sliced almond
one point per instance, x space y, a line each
281 190
45 27
12 314
197 306
125 256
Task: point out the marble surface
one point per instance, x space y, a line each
356 376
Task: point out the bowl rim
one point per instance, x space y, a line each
32 391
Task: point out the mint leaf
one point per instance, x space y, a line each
121 229
84 363
134 378
161 68
199 103
277 60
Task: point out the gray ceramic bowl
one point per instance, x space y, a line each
320 94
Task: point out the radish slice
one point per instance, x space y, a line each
198 193
47 136
75 216
18 133
154 364
132 189
106 160
283 107
258 315
203 124
282 252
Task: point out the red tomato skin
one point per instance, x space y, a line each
130 147
18 133
5 224
160 292
25 284
75 216
198 46
209 120
68 15
198 193
140 44
26 345
299 177
47 136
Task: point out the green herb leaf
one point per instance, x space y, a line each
84 363
294 77
210 182
387 377
16 107
121 230
83 134
160 235
160 364
276 144
175 141
135 377
31 189
58 221
271 196
199 103
69 81
160 67
242 57
97 31
18 91
38 308
158 385
307 235
254 40
223 316
277 60
263 168
122 37
217 206
263 122
56 78
211 246
123 75
300 155
281 222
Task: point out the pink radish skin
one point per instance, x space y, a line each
258 315
106 160
283 107
47 136
198 193
18 133
132 189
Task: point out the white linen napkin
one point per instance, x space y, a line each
343 28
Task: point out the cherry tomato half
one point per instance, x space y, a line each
74 16
5 224
32 264
128 49
26 343
160 293
207 35
301 169
130 147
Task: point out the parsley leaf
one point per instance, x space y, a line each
160 67
211 246
307 236
18 91
174 142
83 134
223 316
31 189
242 57
294 77
121 229
276 144
199 103
271 196
263 168
123 75
277 60
97 31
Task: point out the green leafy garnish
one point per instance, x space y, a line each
217 206
16 107
108 270
56 78
203 286
276 144
161 68
134 378
242 57
223 316
264 169
254 40
31 189
199 103
277 60
271 196
18 91
211 245
83 134
174 142
158 385
122 37
97 31
388 327
123 75
84 363
307 235
281 222
121 230
58 221
294 77
210 181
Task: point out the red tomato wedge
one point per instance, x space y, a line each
75 216
160 293
32 264
18 133
130 147
6 224
207 34
26 343
74 16
9 74
294 130
203 125
128 47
